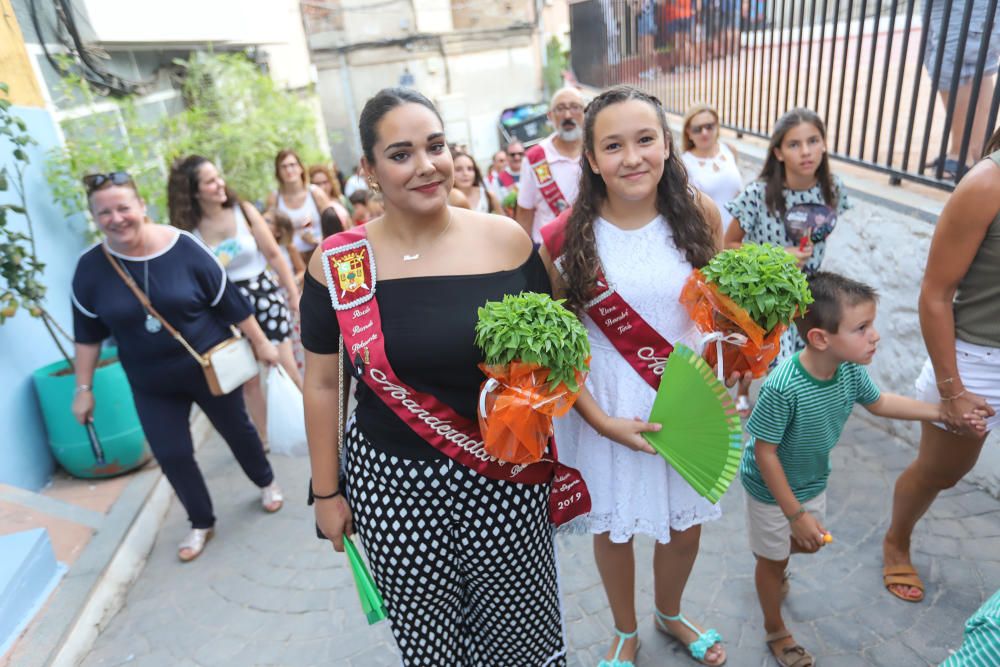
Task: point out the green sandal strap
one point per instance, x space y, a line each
678 617
622 637
699 647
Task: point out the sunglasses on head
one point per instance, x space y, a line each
96 181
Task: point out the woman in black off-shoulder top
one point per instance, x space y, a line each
465 563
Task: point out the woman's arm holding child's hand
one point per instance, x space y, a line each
894 406
806 529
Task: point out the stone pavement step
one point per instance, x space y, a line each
266 592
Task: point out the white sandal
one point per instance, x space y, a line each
194 543
271 498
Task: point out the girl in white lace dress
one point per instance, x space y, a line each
638 221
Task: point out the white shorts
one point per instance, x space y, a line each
979 368
770 532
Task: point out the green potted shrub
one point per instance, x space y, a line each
116 442
537 355
753 292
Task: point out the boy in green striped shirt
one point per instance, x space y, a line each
981 647
799 416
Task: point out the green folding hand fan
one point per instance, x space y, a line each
701 436
371 598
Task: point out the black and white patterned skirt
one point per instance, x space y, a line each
466 564
268 306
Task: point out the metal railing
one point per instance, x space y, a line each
892 98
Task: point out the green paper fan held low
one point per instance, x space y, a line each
763 279
533 328
368 593
700 435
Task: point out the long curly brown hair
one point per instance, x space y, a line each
773 171
675 201
182 190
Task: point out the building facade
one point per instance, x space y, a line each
472 58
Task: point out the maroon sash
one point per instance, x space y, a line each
506 179
349 267
642 347
546 183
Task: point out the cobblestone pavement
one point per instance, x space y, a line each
266 592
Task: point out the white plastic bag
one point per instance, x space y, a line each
286 421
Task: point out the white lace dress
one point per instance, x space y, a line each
633 492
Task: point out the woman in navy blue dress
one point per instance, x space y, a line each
189 288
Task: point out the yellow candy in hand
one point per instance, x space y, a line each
827 538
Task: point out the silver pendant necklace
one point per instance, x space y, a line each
410 258
152 324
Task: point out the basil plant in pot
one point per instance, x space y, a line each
751 293
114 442
536 360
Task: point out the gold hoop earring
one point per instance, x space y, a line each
373 185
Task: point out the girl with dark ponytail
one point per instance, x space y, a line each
462 553
639 226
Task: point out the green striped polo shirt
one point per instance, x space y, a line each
804 417
981 647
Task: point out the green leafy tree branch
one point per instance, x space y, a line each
20 268
233 113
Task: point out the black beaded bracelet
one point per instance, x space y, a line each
313 497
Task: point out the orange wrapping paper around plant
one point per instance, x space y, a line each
711 310
519 407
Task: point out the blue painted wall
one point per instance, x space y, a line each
25 344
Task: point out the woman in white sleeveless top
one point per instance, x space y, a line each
711 165
240 239
469 181
301 202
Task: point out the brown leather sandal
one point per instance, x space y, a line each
791 656
902 575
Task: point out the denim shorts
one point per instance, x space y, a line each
968 53
647 21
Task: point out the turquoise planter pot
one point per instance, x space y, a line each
119 435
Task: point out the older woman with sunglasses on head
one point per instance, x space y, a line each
188 288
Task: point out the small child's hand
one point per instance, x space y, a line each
808 533
976 420
743 380
802 255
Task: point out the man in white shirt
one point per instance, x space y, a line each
550 173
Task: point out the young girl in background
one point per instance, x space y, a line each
794 203
284 233
638 223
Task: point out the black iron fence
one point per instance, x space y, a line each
905 87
